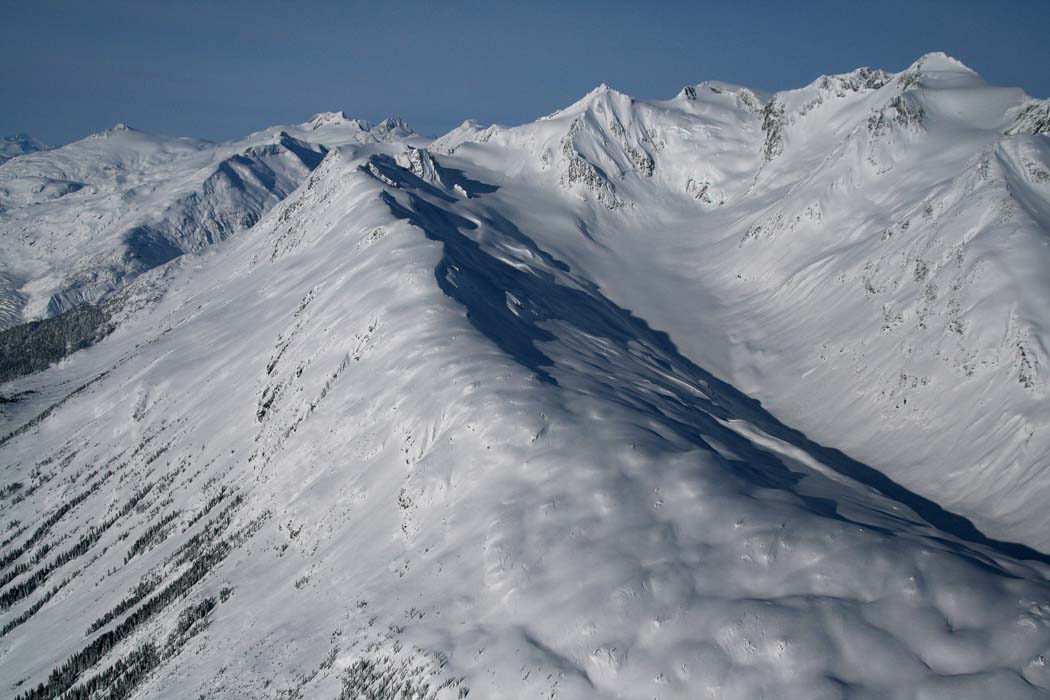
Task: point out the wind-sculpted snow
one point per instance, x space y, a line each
417 450
445 424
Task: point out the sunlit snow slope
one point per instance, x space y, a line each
78 222
452 422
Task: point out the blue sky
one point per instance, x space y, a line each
222 69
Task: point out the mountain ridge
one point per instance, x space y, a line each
467 496
609 405
154 197
17 145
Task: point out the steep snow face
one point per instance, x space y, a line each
866 255
17 145
614 148
903 276
78 222
387 442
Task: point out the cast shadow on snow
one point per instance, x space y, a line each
390 172
515 305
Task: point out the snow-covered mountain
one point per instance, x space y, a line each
78 222
478 418
866 255
19 144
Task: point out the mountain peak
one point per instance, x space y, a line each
392 128
746 97
391 123
322 119
19 144
938 61
602 92
469 130
115 130
938 69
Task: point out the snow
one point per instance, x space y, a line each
17 145
469 130
891 300
79 222
491 408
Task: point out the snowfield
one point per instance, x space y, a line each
79 222
478 418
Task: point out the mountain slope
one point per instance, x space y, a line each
865 255
455 421
429 452
78 222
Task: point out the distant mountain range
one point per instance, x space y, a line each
17 145
728 395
